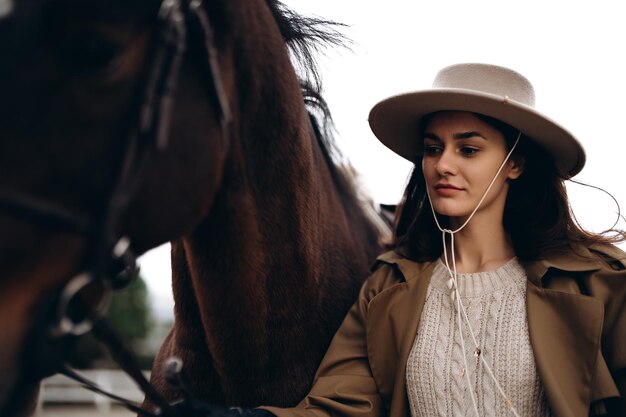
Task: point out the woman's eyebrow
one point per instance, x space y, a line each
467 135
460 135
432 136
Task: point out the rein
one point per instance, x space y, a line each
77 308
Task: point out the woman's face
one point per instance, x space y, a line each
462 154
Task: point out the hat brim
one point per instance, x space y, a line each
395 122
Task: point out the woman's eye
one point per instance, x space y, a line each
467 151
432 149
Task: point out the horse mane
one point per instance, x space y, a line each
305 37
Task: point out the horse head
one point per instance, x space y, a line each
110 128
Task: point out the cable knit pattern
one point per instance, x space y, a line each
495 302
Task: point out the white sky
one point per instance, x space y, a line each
571 51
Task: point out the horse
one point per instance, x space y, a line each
128 123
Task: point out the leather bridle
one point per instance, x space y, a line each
69 311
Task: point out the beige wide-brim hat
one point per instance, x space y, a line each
490 90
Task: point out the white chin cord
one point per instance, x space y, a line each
456 297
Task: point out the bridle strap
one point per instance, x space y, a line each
154 121
43 212
127 360
217 81
92 386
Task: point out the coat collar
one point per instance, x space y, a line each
564 327
580 259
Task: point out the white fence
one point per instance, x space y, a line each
60 390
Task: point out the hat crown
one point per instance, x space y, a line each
489 79
490 90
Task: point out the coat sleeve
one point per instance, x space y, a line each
609 285
344 385
614 337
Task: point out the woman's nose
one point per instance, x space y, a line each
445 165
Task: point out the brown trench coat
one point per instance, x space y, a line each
576 310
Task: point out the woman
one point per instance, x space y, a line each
493 301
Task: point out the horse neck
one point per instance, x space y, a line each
278 207
275 262
272 269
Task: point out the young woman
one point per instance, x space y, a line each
493 301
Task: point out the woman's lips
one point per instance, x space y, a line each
446 190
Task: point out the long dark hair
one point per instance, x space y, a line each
537 212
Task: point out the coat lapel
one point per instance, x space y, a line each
565 329
396 313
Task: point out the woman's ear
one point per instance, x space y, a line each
517 164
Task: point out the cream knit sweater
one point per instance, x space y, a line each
495 304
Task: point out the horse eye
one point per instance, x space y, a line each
89 54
